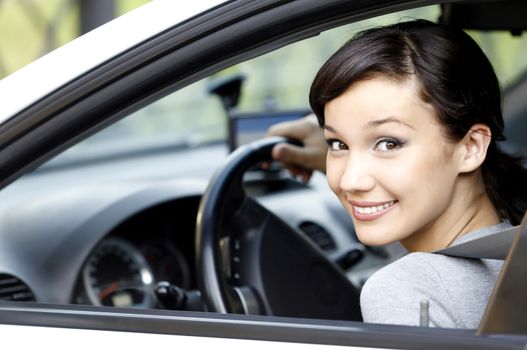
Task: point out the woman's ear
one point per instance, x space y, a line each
474 147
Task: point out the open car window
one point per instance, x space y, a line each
274 83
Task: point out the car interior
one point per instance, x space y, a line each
128 217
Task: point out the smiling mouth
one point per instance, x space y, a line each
372 209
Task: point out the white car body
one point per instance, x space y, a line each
28 337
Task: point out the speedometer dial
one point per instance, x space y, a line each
116 274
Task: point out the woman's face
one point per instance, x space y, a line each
388 161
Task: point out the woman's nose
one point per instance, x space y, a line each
357 175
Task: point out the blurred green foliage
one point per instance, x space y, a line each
31 28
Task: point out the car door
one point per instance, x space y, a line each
136 77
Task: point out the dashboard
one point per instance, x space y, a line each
107 233
155 245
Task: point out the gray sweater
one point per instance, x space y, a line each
457 288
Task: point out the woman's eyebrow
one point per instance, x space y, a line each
378 122
329 128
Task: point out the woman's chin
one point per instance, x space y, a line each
377 238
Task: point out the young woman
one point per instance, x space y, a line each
411 113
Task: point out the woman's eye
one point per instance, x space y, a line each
385 145
336 145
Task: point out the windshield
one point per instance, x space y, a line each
279 81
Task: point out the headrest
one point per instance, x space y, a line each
509 15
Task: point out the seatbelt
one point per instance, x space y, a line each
494 245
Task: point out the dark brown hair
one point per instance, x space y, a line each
456 78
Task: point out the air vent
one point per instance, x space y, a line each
318 235
13 289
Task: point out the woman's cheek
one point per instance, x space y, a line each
334 170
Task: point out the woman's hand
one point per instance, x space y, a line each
300 161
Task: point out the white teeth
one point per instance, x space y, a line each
373 209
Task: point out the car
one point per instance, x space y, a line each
133 205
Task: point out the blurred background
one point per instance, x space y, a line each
31 28
276 81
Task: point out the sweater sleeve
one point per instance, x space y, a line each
393 294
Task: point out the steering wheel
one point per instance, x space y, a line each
250 261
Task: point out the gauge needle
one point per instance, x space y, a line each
108 290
